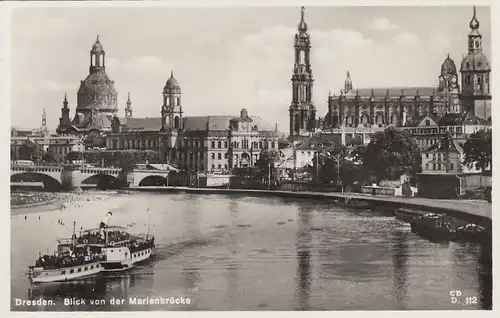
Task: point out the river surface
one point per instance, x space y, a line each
247 253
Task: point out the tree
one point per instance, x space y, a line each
74 155
30 151
326 161
478 149
267 164
48 157
390 154
357 154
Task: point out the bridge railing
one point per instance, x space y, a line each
35 168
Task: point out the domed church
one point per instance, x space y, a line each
96 100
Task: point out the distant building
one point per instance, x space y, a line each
200 143
57 146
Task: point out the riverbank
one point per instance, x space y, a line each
23 199
477 210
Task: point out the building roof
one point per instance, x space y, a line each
316 141
141 124
417 120
461 119
394 91
220 123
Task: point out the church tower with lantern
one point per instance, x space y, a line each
475 69
302 110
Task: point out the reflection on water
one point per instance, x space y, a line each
239 253
399 261
303 259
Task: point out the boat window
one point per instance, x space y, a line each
86 268
80 269
63 272
91 266
111 251
72 271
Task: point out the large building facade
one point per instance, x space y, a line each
207 144
428 113
302 110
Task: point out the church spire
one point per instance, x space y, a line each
44 118
128 108
348 83
302 110
474 23
474 35
302 25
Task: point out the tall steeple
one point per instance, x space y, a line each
44 119
474 35
128 108
97 58
302 111
348 83
475 69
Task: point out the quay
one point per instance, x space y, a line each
473 211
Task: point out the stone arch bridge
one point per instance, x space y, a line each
71 176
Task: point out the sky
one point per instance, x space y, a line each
224 58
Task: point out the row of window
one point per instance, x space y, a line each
86 268
438 166
245 144
135 144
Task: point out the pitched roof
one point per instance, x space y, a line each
461 119
142 124
417 120
394 91
317 140
220 123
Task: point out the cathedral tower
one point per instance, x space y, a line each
64 121
171 111
302 111
475 69
448 84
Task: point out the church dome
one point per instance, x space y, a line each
448 67
172 82
97 47
476 61
99 91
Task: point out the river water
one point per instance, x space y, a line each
248 253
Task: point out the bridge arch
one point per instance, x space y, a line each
101 180
49 183
153 180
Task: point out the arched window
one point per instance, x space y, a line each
176 122
297 122
335 119
380 120
102 60
302 57
364 119
394 119
178 101
94 60
349 121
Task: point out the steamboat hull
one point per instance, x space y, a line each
127 263
40 275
